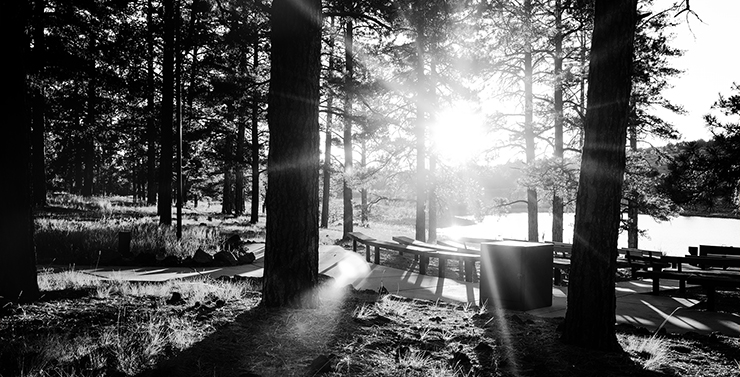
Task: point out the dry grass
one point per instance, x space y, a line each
96 242
85 326
652 351
91 327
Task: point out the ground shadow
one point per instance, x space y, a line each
266 341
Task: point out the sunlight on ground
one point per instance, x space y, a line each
499 313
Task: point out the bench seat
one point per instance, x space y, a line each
445 252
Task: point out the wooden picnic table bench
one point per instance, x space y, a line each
445 252
358 237
711 273
422 254
719 251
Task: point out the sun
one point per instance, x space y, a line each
458 135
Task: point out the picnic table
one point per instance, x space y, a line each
710 272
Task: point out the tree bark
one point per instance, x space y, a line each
364 210
39 107
255 201
632 205
433 203
38 141
326 187
348 217
240 166
89 144
227 202
557 200
79 162
291 251
532 226
421 91
164 205
151 123
178 119
590 318
18 267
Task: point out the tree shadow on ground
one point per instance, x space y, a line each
269 341
525 345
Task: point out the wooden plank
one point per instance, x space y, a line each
410 241
711 250
357 236
706 261
462 247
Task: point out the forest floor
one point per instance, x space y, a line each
87 327
84 326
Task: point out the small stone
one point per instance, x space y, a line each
461 362
145 259
188 261
321 364
201 257
171 261
226 258
246 258
176 299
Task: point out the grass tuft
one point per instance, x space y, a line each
651 351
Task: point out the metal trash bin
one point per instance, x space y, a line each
516 275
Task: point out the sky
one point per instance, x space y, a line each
711 62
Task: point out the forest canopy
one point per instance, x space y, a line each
466 107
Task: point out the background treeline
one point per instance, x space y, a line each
112 82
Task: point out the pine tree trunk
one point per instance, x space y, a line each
79 163
590 318
227 203
632 206
529 141
326 188
151 123
557 200
239 167
38 141
348 217
364 210
164 205
433 205
88 185
292 241
88 143
18 266
38 114
421 189
255 201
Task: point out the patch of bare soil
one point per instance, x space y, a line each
352 333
